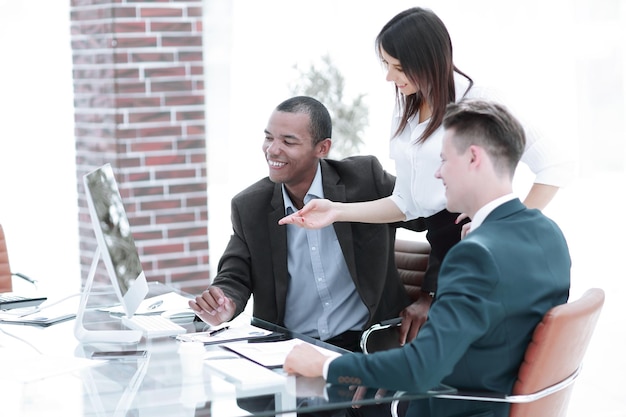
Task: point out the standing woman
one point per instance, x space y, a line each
416 49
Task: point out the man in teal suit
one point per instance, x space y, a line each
494 286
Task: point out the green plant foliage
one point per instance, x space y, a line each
325 83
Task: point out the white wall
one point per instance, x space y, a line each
547 60
37 170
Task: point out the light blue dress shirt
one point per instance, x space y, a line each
322 300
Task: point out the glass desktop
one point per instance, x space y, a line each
155 385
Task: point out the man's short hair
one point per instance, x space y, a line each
489 125
321 126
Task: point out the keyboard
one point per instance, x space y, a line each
9 301
153 325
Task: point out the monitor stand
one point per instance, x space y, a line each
96 336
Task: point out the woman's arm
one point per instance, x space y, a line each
540 195
320 213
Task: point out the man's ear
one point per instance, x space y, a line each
323 147
476 155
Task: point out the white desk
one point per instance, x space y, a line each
147 387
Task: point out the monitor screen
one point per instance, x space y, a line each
112 230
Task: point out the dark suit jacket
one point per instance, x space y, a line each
255 259
494 288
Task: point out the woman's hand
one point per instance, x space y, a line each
466 227
315 214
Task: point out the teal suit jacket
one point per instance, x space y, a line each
494 288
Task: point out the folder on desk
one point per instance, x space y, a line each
50 312
271 354
231 334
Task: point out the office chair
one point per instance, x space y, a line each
6 276
554 357
411 260
552 361
6 284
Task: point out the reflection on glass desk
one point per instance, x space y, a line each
153 385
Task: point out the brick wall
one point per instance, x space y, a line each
139 105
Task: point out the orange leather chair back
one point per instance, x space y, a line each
411 260
6 284
555 352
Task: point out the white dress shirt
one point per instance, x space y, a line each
419 194
317 268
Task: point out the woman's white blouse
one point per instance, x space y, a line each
418 193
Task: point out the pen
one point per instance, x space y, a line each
220 330
155 305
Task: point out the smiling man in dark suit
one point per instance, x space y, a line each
494 286
330 283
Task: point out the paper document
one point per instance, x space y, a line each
155 305
271 354
230 334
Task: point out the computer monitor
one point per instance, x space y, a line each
116 246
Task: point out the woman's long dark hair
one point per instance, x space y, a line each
420 41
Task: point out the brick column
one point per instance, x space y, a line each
139 105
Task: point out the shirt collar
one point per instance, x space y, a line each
484 211
316 190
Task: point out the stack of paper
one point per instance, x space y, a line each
271 354
230 334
